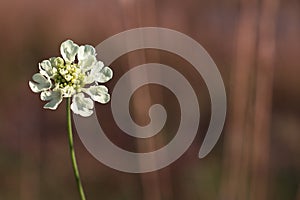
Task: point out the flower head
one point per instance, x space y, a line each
77 74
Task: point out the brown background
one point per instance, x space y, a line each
255 45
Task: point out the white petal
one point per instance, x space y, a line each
56 61
68 50
85 51
52 61
92 75
81 105
98 93
40 83
89 79
104 75
97 67
54 98
46 66
88 63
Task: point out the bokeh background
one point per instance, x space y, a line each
255 45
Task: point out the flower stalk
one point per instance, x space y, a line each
72 151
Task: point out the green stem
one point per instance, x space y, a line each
72 152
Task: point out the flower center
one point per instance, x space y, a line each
69 76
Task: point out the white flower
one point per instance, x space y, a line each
74 74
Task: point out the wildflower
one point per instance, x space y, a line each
77 74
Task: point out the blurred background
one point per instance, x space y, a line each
255 45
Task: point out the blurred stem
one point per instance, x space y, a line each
72 152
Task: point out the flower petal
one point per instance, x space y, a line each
46 66
97 67
68 50
90 78
85 51
98 93
52 61
57 62
40 83
104 75
81 105
88 63
54 98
